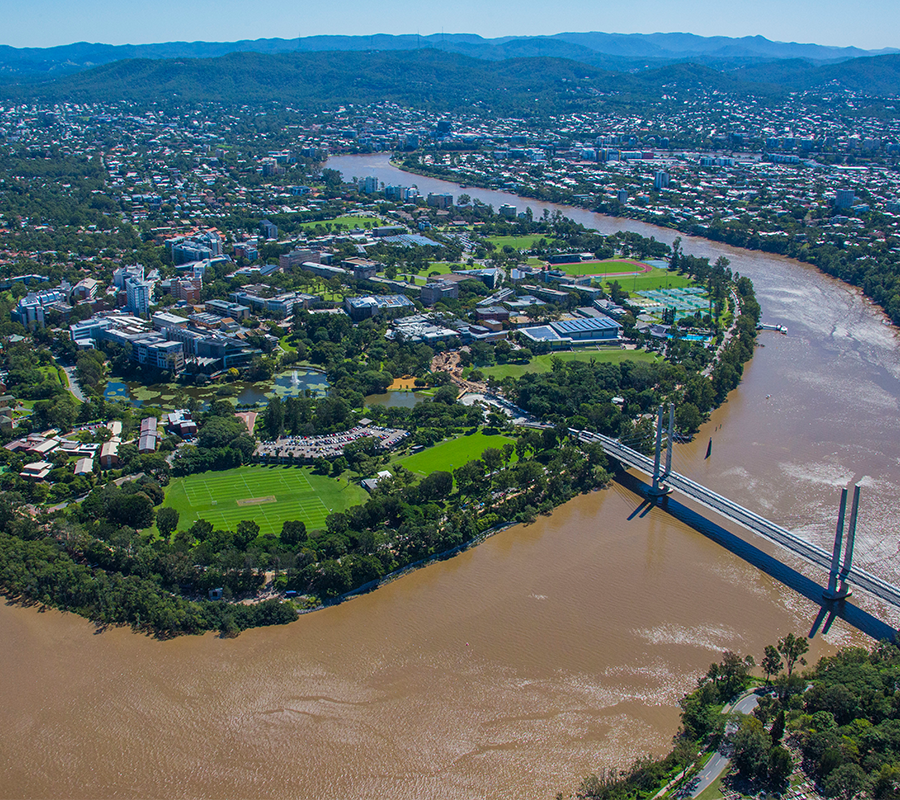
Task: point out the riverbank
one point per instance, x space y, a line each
725 374
409 568
339 548
822 258
548 652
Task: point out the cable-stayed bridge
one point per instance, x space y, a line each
838 564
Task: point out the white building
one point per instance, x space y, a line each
140 293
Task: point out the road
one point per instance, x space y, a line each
719 762
74 388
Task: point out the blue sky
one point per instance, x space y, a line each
869 24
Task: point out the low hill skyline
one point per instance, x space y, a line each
616 52
446 82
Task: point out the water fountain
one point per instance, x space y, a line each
295 380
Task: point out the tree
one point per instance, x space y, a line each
780 766
688 417
698 713
788 686
293 532
675 260
273 419
493 458
436 486
221 431
845 781
771 663
766 708
887 783
469 477
446 394
793 648
684 752
751 745
731 675
247 531
89 369
133 510
166 521
221 408
334 578
201 530
60 412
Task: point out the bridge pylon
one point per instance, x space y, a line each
837 575
851 540
659 489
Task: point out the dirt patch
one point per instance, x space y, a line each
257 501
449 363
248 418
406 382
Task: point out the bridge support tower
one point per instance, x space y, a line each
837 576
659 489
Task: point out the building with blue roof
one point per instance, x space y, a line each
575 333
410 240
595 328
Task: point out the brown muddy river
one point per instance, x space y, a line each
512 670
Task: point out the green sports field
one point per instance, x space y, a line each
453 453
610 266
613 269
267 494
655 279
544 363
525 242
348 221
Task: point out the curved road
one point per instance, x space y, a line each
74 388
719 762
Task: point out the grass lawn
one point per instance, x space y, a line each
713 791
279 493
655 279
420 279
544 363
453 453
51 374
519 242
326 294
349 222
286 345
443 267
609 265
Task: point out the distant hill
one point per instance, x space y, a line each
446 81
680 45
620 52
878 76
426 78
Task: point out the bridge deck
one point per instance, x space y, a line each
745 517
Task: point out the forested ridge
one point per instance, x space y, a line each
558 76
428 79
